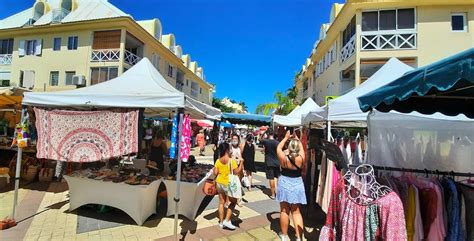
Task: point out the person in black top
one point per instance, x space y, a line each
271 161
248 154
291 193
157 152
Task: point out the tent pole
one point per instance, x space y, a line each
178 173
329 131
17 170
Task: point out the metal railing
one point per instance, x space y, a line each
105 55
59 14
6 59
131 58
348 50
388 40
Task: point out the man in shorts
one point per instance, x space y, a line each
271 161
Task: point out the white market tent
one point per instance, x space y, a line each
345 110
294 118
142 86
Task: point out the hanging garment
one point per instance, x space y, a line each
468 194
411 213
347 220
185 145
418 234
86 136
328 186
357 154
453 209
322 179
174 137
348 153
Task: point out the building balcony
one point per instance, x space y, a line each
6 59
113 55
130 58
389 40
348 50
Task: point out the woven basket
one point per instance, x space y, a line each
30 173
46 174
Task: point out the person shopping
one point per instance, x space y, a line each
201 142
222 170
271 161
248 154
158 151
291 192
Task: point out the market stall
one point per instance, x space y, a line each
294 119
142 87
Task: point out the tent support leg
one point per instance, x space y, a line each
18 170
329 130
178 173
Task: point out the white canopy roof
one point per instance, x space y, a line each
142 86
295 116
346 107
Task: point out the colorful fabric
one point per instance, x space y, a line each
371 222
185 145
86 136
174 137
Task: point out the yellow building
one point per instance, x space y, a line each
65 44
363 34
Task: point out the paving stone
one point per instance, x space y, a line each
262 234
240 236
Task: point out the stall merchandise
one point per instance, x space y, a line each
86 136
362 209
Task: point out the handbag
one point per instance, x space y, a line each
235 188
210 188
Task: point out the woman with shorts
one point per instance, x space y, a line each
222 171
291 193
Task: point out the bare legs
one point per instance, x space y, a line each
222 200
273 186
249 176
297 220
285 209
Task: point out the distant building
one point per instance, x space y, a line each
363 34
62 44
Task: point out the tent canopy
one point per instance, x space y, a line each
11 97
248 119
446 86
344 110
142 86
295 117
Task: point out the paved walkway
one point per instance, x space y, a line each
43 215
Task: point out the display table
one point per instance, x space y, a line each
139 201
190 199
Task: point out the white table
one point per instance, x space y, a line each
138 201
190 199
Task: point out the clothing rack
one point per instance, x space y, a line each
423 171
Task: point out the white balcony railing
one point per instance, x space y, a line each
131 58
105 55
59 14
388 40
348 50
6 59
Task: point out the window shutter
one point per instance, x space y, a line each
21 48
39 43
175 72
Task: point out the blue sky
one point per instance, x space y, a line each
249 48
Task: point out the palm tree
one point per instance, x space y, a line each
283 106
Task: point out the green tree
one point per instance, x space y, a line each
216 102
283 104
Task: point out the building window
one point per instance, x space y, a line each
187 82
69 75
30 47
72 42
200 90
458 22
170 71
54 78
394 19
194 89
6 46
102 74
349 32
57 44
